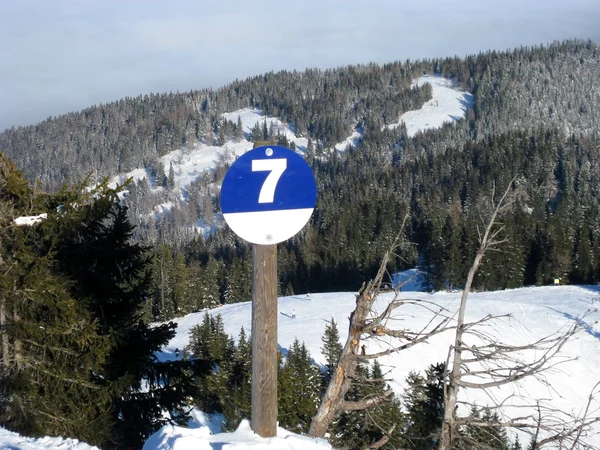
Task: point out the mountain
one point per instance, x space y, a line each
531 115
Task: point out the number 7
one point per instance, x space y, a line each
276 167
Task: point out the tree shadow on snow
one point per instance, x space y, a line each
588 328
591 287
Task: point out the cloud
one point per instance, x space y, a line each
65 55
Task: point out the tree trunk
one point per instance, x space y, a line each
451 388
345 371
4 337
17 344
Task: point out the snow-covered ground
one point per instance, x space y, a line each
190 163
539 310
202 435
13 441
447 105
536 312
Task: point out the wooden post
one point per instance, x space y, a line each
264 340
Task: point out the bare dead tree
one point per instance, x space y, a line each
365 324
485 362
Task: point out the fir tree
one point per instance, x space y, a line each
82 341
51 349
489 436
111 278
423 401
299 388
332 348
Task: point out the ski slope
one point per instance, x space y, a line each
535 312
448 104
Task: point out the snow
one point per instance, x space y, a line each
410 280
351 140
190 162
250 116
200 438
447 105
535 313
30 220
13 441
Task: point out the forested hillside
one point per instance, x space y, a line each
536 117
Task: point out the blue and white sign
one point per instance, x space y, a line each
268 195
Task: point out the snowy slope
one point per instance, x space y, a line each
536 312
447 105
189 163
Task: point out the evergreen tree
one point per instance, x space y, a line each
423 401
359 429
239 130
111 278
81 344
517 444
51 350
210 284
582 272
299 389
489 436
332 349
238 281
238 404
171 178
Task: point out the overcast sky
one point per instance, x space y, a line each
58 56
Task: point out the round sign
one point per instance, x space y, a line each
268 195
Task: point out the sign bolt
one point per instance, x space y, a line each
269 152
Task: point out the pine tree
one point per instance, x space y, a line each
79 345
239 130
111 278
582 272
51 350
360 429
239 391
210 284
423 401
171 178
490 436
298 388
238 281
517 444
331 350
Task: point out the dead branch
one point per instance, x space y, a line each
364 324
490 364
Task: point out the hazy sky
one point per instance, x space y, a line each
58 56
